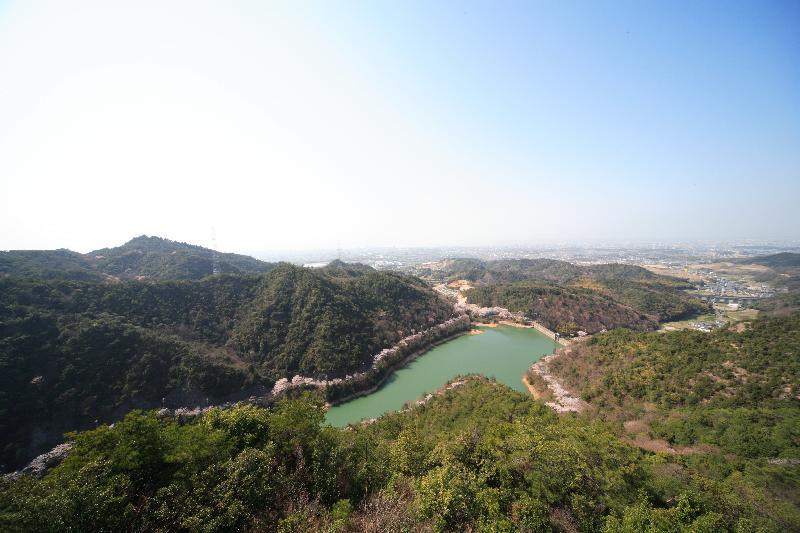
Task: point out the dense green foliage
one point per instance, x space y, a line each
751 364
567 297
73 352
303 321
727 401
562 309
48 264
140 258
739 391
590 305
477 456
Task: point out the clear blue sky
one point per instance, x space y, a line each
398 123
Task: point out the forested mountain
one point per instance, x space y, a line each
475 457
753 363
144 257
567 297
73 352
562 308
725 403
48 264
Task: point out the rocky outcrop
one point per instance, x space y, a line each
41 464
563 401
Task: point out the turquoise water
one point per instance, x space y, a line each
504 352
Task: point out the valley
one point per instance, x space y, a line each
377 394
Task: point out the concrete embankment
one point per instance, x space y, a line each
550 333
535 325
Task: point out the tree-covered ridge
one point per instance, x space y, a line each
339 269
335 323
504 270
157 258
560 308
48 264
726 402
590 305
476 457
568 297
550 270
144 257
753 364
72 352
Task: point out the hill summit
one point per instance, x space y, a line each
142 258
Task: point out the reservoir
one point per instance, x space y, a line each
504 352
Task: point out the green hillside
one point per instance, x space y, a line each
725 404
561 308
476 457
48 264
74 352
567 297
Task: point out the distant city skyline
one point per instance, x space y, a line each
307 126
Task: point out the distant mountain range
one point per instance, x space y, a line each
783 259
784 269
142 258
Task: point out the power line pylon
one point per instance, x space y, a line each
215 257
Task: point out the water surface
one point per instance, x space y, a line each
504 352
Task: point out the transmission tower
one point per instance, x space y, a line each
215 256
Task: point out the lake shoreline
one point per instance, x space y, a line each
392 369
503 352
395 367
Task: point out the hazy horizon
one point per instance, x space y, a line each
315 126
333 251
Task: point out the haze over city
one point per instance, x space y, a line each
410 124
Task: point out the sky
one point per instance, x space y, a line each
298 125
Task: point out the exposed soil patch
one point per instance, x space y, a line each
638 434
